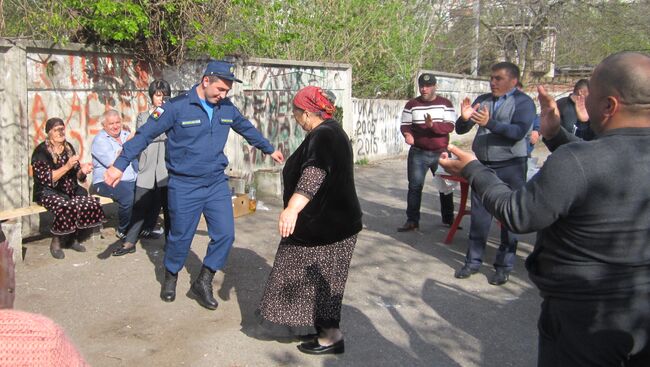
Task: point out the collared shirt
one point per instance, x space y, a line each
208 107
104 151
500 100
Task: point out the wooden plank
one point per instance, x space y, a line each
21 212
35 209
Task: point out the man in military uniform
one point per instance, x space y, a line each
197 124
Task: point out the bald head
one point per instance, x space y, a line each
627 76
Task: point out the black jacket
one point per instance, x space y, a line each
334 212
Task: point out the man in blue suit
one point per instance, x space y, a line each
197 124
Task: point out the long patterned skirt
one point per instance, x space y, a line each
305 288
77 213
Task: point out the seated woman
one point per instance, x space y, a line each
151 183
57 171
319 226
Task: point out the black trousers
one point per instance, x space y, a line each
146 208
594 333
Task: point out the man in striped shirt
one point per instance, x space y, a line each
426 123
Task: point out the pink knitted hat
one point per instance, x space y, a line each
28 339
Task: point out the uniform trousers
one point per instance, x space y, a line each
189 198
515 176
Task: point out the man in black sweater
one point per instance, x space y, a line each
590 204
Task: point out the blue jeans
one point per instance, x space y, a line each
419 162
123 193
515 176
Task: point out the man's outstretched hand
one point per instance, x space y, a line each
456 165
277 156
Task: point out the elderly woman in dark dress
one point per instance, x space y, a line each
57 171
319 227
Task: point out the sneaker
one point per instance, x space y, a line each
465 272
119 234
408 227
500 277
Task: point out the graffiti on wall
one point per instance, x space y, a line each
266 101
79 89
376 128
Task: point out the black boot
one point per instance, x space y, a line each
168 291
202 289
55 248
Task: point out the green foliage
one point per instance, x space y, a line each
362 162
385 41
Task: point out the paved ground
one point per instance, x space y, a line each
402 306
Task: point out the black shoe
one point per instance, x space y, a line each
465 272
314 348
408 227
55 248
202 289
168 291
500 277
124 249
307 337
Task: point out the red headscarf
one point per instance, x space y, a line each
314 99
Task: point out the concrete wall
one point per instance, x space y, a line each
376 133
78 83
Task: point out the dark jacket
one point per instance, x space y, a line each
590 204
67 186
334 212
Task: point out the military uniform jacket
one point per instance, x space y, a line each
195 144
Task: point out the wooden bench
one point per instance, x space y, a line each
36 209
13 227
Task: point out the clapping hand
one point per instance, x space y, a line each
73 161
481 115
428 121
581 109
455 166
466 109
549 118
